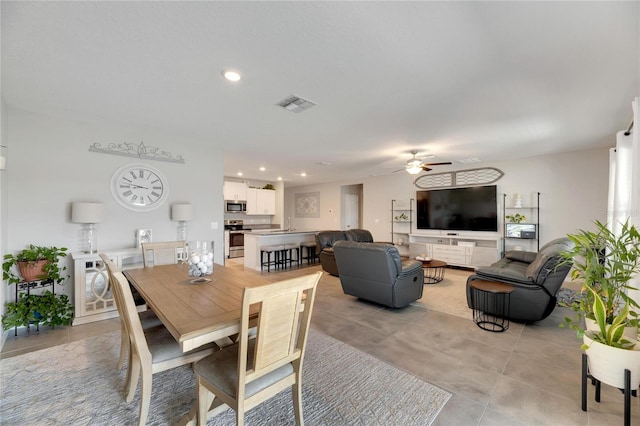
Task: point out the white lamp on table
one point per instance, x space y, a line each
88 214
182 213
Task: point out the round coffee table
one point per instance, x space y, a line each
433 270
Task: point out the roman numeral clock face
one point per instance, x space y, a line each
139 187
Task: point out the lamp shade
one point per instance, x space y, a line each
87 212
181 212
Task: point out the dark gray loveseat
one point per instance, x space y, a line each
536 278
375 272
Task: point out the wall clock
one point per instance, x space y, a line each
139 187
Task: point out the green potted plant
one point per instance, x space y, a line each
606 262
516 218
36 263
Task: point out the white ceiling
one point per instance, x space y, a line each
492 80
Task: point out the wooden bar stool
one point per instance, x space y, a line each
276 250
310 256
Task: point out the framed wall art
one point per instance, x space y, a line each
307 204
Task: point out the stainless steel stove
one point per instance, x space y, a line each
234 238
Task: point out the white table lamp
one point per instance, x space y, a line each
182 213
88 214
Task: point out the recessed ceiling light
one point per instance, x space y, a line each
303 174
262 169
279 177
239 173
231 75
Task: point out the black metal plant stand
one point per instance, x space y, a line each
626 391
26 287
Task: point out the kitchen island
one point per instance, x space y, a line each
255 239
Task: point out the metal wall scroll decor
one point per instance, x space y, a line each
140 150
470 177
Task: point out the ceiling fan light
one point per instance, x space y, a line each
414 169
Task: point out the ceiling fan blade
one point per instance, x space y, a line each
438 164
399 170
425 168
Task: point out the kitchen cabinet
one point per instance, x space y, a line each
261 201
236 191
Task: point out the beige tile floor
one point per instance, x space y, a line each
528 375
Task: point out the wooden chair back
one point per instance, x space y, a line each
283 321
164 253
129 315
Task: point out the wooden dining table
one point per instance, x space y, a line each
195 313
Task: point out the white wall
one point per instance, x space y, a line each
3 205
573 189
50 166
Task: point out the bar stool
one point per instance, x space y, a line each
288 248
310 256
276 250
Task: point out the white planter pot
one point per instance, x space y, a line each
607 363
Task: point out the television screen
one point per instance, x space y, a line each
458 209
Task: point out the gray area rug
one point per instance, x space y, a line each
77 384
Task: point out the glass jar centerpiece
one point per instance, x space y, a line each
201 260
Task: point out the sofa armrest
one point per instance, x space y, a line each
409 267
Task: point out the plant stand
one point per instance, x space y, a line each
26 286
626 391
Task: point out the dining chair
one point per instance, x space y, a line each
151 351
255 369
148 318
164 253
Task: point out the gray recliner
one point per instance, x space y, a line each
375 272
326 239
536 278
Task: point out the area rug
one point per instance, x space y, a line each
77 384
448 296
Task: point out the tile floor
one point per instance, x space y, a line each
528 375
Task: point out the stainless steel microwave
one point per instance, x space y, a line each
235 207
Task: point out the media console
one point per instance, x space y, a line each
458 249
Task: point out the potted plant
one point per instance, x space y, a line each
36 263
516 218
606 262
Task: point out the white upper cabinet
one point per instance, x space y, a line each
235 191
261 201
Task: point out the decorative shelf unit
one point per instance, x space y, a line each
401 224
525 235
93 295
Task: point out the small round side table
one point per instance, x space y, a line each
490 301
433 270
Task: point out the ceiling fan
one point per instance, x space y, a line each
415 165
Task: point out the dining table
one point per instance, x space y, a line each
196 311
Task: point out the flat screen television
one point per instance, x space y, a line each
458 209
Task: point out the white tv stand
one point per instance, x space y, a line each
468 250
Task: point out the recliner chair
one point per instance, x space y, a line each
536 278
326 239
375 272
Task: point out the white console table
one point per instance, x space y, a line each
93 295
464 250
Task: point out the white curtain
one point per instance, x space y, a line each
624 183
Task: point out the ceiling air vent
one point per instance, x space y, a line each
295 103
